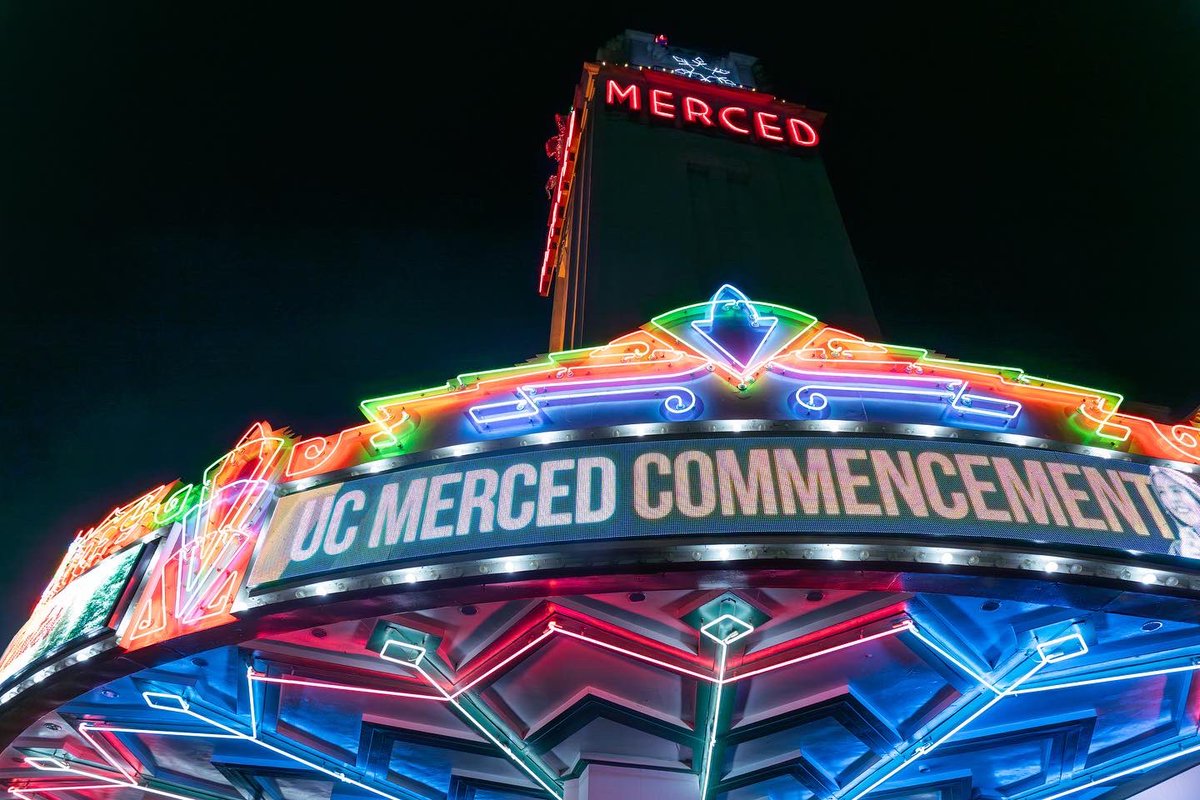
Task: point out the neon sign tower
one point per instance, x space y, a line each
736 550
674 169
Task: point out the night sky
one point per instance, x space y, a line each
214 216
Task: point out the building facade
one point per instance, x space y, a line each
710 546
676 159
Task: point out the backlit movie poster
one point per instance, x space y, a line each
83 608
1180 497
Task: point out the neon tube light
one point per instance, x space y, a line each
29 791
672 324
833 348
548 632
819 385
186 734
906 626
163 701
1123 773
107 781
553 790
730 298
924 749
378 410
1109 678
342 687
847 346
122 526
554 627
634 654
1045 656
714 720
555 209
677 403
85 730
345 687
933 645
741 630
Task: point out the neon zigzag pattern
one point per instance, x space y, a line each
118 769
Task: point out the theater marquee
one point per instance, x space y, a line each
728 487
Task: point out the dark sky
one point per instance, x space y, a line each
214 214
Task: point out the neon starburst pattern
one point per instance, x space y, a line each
699 69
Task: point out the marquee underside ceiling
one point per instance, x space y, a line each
755 693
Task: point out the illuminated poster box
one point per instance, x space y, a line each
734 487
78 612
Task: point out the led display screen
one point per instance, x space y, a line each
734 486
79 611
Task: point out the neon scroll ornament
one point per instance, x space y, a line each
812 398
678 402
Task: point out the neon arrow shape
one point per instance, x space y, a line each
735 328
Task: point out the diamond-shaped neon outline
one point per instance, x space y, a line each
755 320
165 701
747 629
408 662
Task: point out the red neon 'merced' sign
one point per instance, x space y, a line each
766 126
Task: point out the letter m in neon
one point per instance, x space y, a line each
615 94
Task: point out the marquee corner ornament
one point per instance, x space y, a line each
729 416
196 540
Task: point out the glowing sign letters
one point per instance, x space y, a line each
729 487
768 125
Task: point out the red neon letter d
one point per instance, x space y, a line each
801 133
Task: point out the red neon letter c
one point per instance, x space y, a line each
725 123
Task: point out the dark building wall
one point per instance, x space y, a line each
661 216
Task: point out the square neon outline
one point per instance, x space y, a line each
420 653
1052 658
154 700
733 637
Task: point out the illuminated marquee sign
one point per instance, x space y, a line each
742 486
770 124
724 359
